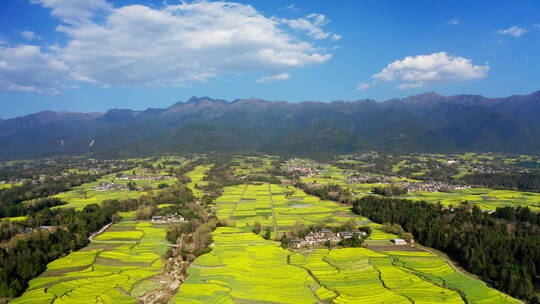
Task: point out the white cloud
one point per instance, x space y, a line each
29 35
425 70
274 78
312 24
75 11
453 21
291 7
175 45
362 86
537 25
26 68
514 31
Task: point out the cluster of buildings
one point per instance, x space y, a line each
169 218
29 230
324 236
144 177
371 179
106 186
431 186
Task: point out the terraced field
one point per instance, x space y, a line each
116 268
244 268
358 275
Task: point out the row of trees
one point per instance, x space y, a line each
27 257
10 197
505 253
390 190
522 181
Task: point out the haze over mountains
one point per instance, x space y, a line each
427 122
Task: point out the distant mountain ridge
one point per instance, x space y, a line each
420 123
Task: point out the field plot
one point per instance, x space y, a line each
484 198
87 194
487 199
197 176
238 271
244 268
278 206
358 275
116 268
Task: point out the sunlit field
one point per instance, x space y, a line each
116 269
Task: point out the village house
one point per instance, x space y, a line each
144 177
29 230
169 218
399 242
105 186
324 236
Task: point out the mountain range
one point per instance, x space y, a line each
420 123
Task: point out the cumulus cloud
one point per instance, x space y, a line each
75 11
173 45
425 70
514 31
362 86
273 78
312 24
27 68
29 35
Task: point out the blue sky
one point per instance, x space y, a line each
93 55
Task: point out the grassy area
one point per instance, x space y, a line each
103 272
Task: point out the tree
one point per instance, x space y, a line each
257 228
267 234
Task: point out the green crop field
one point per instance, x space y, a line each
116 268
238 271
86 194
486 199
197 176
279 207
244 268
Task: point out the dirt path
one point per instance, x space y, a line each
273 212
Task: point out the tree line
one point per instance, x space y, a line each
11 197
522 181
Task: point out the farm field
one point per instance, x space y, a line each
359 275
116 268
238 271
252 165
197 176
278 207
86 194
244 268
485 198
